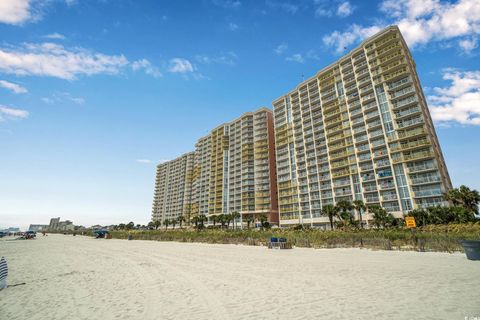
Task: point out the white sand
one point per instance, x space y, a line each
82 278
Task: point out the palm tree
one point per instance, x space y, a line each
166 222
249 219
359 207
173 221
263 220
222 219
157 224
464 197
235 216
331 212
194 220
228 219
181 219
202 219
381 218
214 219
344 207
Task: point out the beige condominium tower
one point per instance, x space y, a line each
359 129
173 189
231 170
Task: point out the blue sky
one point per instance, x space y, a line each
94 93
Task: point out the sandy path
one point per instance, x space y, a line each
82 278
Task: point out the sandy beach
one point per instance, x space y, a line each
82 278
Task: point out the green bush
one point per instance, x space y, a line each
429 238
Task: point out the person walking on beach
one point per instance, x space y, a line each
3 273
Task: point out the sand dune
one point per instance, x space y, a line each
82 278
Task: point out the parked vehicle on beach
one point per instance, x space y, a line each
29 234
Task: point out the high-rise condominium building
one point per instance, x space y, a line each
173 188
359 129
231 170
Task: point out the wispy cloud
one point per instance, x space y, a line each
7 113
71 2
54 60
233 26
288 7
281 48
50 59
228 58
468 45
459 102
297 57
15 88
342 40
143 161
61 97
144 64
180 65
302 58
55 35
420 22
228 4
432 20
328 8
345 9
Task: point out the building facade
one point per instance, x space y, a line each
173 188
359 129
57 225
231 170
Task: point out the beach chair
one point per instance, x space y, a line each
273 243
279 243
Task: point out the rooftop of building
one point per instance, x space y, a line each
340 60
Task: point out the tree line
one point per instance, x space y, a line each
464 206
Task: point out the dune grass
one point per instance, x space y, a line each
442 238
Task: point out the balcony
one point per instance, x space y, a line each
411 122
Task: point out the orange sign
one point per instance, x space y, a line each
410 222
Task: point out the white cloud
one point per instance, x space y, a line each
341 40
228 58
432 20
143 161
15 88
11 113
48 100
323 12
233 26
281 48
55 35
468 45
144 64
61 97
345 9
15 12
229 4
422 22
285 6
325 8
71 2
460 102
49 59
180 65
297 57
